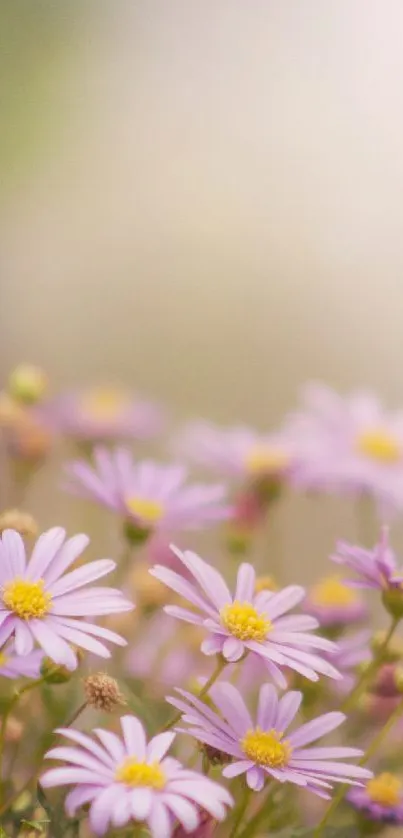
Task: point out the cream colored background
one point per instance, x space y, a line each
214 210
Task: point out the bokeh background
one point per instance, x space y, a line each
203 199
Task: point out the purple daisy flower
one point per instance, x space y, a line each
381 799
100 414
38 604
150 496
20 666
375 568
349 445
127 780
334 603
351 652
262 749
237 452
248 621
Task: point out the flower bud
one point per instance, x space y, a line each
392 599
54 673
135 535
385 682
27 384
10 411
30 440
102 692
22 522
215 756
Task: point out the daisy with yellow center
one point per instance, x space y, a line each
379 445
27 599
385 789
381 799
149 512
244 622
266 749
332 601
104 404
134 773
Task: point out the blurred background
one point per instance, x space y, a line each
203 200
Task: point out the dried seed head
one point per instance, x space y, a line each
102 692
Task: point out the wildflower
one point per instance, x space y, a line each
381 799
375 569
38 604
334 604
248 622
125 779
237 452
102 413
349 445
150 497
266 748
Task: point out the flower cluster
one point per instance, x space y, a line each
258 667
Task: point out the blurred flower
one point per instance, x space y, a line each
261 750
128 780
20 666
149 496
333 603
27 384
351 653
381 799
22 522
37 601
101 414
248 622
237 452
376 569
349 444
160 653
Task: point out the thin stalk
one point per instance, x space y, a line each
370 671
239 814
371 750
213 677
257 819
12 705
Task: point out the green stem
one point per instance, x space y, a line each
260 815
241 811
367 674
213 677
75 715
12 705
371 750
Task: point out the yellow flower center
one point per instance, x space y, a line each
3 659
385 789
243 621
26 599
150 511
265 583
266 747
104 403
379 445
262 460
134 773
332 592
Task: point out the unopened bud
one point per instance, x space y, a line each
55 673
385 682
10 412
22 522
392 599
215 756
30 440
135 535
102 692
27 384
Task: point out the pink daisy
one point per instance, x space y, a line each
149 496
261 750
125 779
376 568
237 452
102 413
248 621
38 604
349 444
334 603
381 800
20 666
